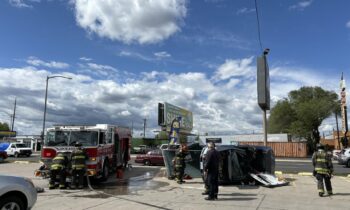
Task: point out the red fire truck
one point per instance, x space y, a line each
108 146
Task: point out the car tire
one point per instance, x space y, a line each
147 162
12 202
16 155
28 155
348 164
105 171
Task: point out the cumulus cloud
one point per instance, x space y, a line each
227 105
235 68
51 64
131 21
301 5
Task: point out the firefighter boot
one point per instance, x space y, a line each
320 194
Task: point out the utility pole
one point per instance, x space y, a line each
344 110
144 128
14 115
336 120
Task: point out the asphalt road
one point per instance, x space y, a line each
284 165
305 165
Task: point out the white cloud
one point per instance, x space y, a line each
348 24
85 59
227 105
131 21
301 5
19 4
235 68
51 64
162 54
245 11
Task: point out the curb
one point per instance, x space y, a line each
278 173
305 174
22 162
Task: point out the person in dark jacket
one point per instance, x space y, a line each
211 169
323 169
78 159
58 167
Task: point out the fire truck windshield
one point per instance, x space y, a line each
69 138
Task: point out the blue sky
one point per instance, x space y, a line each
125 56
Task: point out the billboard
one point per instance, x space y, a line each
168 112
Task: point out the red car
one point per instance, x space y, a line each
3 155
153 157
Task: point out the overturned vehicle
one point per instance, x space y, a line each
239 164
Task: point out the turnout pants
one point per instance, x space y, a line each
327 181
78 177
179 173
53 177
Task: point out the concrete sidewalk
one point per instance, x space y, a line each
161 193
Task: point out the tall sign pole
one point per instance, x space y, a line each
344 110
263 85
14 115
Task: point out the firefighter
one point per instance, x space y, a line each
58 167
78 159
180 164
323 169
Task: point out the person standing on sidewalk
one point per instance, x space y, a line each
211 170
323 169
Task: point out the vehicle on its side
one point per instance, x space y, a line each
237 162
107 147
344 157
16 149
153 157
3 156
17 193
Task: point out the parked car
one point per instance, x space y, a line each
336 154
16 149
344 157
153 157
17 193
3 156
141 149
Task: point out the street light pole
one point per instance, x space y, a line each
47 85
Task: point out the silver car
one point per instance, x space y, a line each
16 193
344 157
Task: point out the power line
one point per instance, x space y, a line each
258 21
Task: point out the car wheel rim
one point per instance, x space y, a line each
11 206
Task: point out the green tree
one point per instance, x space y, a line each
4 127
302 113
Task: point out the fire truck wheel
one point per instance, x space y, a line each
105 171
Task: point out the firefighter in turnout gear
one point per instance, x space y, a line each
180 164
323 169
58 167
78 159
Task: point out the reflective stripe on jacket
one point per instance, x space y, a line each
321 162
59 162
78 159
180 160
